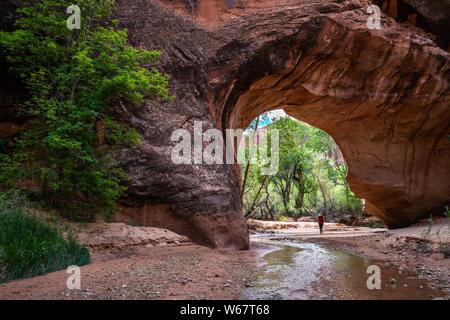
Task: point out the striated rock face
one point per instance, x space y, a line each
383 95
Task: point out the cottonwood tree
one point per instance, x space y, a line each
75 80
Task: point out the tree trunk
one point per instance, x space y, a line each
323 195
252 207
266 203
247 168
301 191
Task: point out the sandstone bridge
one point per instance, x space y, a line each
383 95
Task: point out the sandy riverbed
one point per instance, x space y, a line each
422 248
156 264
180 272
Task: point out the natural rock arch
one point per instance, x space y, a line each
381 94
345 87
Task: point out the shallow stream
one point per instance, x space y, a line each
303 270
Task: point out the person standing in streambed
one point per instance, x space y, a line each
321 221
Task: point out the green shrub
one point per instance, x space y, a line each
77 80
31 246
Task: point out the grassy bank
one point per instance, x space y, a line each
30 245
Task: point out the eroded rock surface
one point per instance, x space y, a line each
119 236
383 95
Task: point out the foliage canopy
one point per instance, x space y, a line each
311 177
76 79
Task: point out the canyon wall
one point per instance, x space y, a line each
383 95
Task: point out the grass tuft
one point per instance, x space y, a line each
31 246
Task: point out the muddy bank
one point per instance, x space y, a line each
142 263
407 255
143 273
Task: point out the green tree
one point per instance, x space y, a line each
75 79
294 163
311 176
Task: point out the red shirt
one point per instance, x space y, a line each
320 219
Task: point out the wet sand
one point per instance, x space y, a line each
419 252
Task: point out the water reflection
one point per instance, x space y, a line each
310 271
